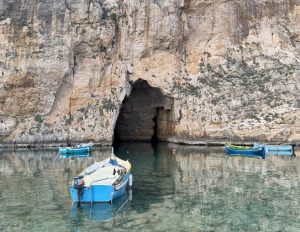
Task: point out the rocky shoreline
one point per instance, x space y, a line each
207 143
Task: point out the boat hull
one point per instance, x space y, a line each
101 193
258 151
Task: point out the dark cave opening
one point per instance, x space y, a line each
144 116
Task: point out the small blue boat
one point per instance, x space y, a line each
245 151
78 149
102 181
275 147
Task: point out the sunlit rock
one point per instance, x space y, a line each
231 68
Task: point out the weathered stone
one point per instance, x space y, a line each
231 68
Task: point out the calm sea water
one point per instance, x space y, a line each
176 188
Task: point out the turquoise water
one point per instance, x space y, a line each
176 188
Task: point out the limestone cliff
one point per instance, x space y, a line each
227 69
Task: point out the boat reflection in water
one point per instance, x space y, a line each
79 155
287 153
102 212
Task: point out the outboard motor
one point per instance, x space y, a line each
78 184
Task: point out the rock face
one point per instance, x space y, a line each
231 68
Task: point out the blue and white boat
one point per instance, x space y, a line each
102 181
78 149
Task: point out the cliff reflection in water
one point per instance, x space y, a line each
236 192
213 169
34 191
175 188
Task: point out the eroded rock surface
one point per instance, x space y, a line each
231 67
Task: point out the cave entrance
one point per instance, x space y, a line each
145 115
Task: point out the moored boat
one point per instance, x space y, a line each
286 147
78 149
245 150
102 181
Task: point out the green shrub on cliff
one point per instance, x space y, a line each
38 118
108 104
113 17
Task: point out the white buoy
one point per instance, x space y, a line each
130 181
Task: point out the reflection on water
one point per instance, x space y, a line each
102 212
81 155
178 188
